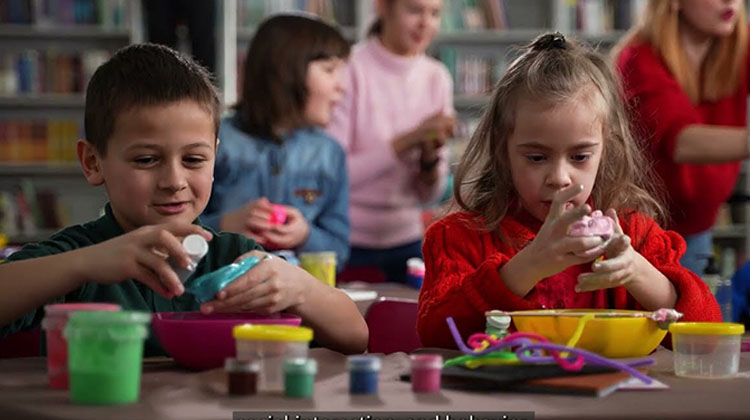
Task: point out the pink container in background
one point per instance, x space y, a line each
55 318
203 341
425 372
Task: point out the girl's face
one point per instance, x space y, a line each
710 17
554 145
324 89
410 25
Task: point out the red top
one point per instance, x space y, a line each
661 111
462 277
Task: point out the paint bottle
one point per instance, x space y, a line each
425 372
363 374
299 377
242 376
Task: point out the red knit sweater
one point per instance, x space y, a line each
661 111
463 281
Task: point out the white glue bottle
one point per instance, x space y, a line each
196 248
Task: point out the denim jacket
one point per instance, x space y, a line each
307 170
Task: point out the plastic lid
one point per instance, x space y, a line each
707 328
240 365
195 246
58 309
301 366
98 318
360 362
426 361
272 332
324 255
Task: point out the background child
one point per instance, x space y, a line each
393 122
273 149
553 143
684 72
151 125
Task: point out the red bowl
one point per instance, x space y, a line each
199 341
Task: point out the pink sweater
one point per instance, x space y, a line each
386 96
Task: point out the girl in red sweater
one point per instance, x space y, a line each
684 73
553 144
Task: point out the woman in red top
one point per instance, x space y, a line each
684 74
553 143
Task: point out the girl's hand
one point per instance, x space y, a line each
273 285
291 234
618 269
251 220
142 255
553 248
433 131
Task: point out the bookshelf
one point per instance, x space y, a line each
48 50
239 18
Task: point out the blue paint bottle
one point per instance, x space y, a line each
363 374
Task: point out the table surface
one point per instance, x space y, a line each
169 391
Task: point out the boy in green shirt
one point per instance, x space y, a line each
152 118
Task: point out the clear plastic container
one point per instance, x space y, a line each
54 322
706 349
271 345
105 353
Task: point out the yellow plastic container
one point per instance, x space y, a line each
608 336
322 265
706 349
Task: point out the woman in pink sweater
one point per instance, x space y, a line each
393 122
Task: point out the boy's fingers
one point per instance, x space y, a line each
169 243
163 271
148 278
563 196
180 229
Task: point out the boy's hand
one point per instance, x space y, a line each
553 248
142 255
273 285
618 269
251 220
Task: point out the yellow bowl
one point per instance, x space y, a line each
607 336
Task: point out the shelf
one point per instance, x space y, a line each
24 238
39 169
86 32
518 36
48 100
734 231
246 34
470 101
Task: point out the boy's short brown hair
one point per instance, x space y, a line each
144 75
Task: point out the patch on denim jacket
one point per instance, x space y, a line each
308 194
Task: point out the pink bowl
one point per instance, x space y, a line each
198 341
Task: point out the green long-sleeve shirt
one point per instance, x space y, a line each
223 249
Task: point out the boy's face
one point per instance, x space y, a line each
159 164
552 147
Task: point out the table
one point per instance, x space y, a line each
169 392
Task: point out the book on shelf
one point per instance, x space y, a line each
473 15
27 212
251 12
38 141
32 72
107 14
473 73
592 17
